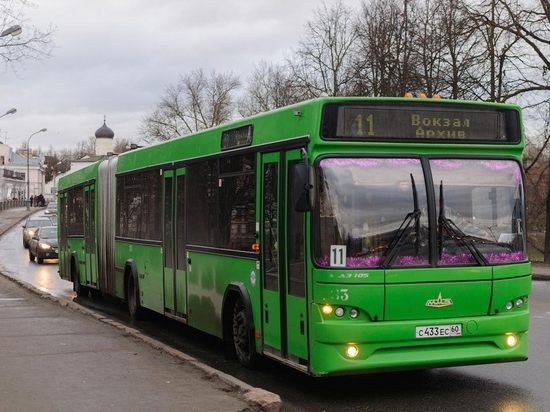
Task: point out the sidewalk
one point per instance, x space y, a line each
59 356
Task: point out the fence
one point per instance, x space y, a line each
10 204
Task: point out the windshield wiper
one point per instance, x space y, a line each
397 241
454 232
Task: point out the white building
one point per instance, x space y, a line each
13 174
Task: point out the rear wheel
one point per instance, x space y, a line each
79 289
132 295
96 294
242 332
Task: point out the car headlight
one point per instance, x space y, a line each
44 246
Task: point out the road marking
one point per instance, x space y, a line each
12 299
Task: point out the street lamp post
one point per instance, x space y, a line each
55 181
28 177
55 174
11 111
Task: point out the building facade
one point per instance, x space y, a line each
13 174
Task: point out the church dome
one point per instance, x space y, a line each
104 132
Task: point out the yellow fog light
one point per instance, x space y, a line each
327 309
352 351
511 340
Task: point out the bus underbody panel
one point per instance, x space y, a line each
403 345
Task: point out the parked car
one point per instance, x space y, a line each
43 244
51 209
33 223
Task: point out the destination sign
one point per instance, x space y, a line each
421 122
240 136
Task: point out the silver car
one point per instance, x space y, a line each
51 209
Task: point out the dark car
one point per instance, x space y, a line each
43 244
34 223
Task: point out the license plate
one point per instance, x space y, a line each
439 331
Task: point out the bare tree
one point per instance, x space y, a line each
269 87
196 102
452 47
84 148
121 145
386 62
520 49
497 57
21 41
322 62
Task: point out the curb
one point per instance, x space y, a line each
257 398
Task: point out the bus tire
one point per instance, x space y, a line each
242 332
79 289
96 294
132 297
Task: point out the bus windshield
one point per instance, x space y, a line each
374 212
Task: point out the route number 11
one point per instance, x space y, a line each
338 256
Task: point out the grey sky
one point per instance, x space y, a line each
115 58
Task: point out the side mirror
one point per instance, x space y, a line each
303 187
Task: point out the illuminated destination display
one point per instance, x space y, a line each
420 122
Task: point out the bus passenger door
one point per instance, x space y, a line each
64 252
271 297
90 245
284 315
175 261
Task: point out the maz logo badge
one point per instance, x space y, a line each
439 302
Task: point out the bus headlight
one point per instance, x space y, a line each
339 312
353 313
352 351
509 305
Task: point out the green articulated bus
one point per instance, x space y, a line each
338 236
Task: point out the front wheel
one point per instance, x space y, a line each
242 335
